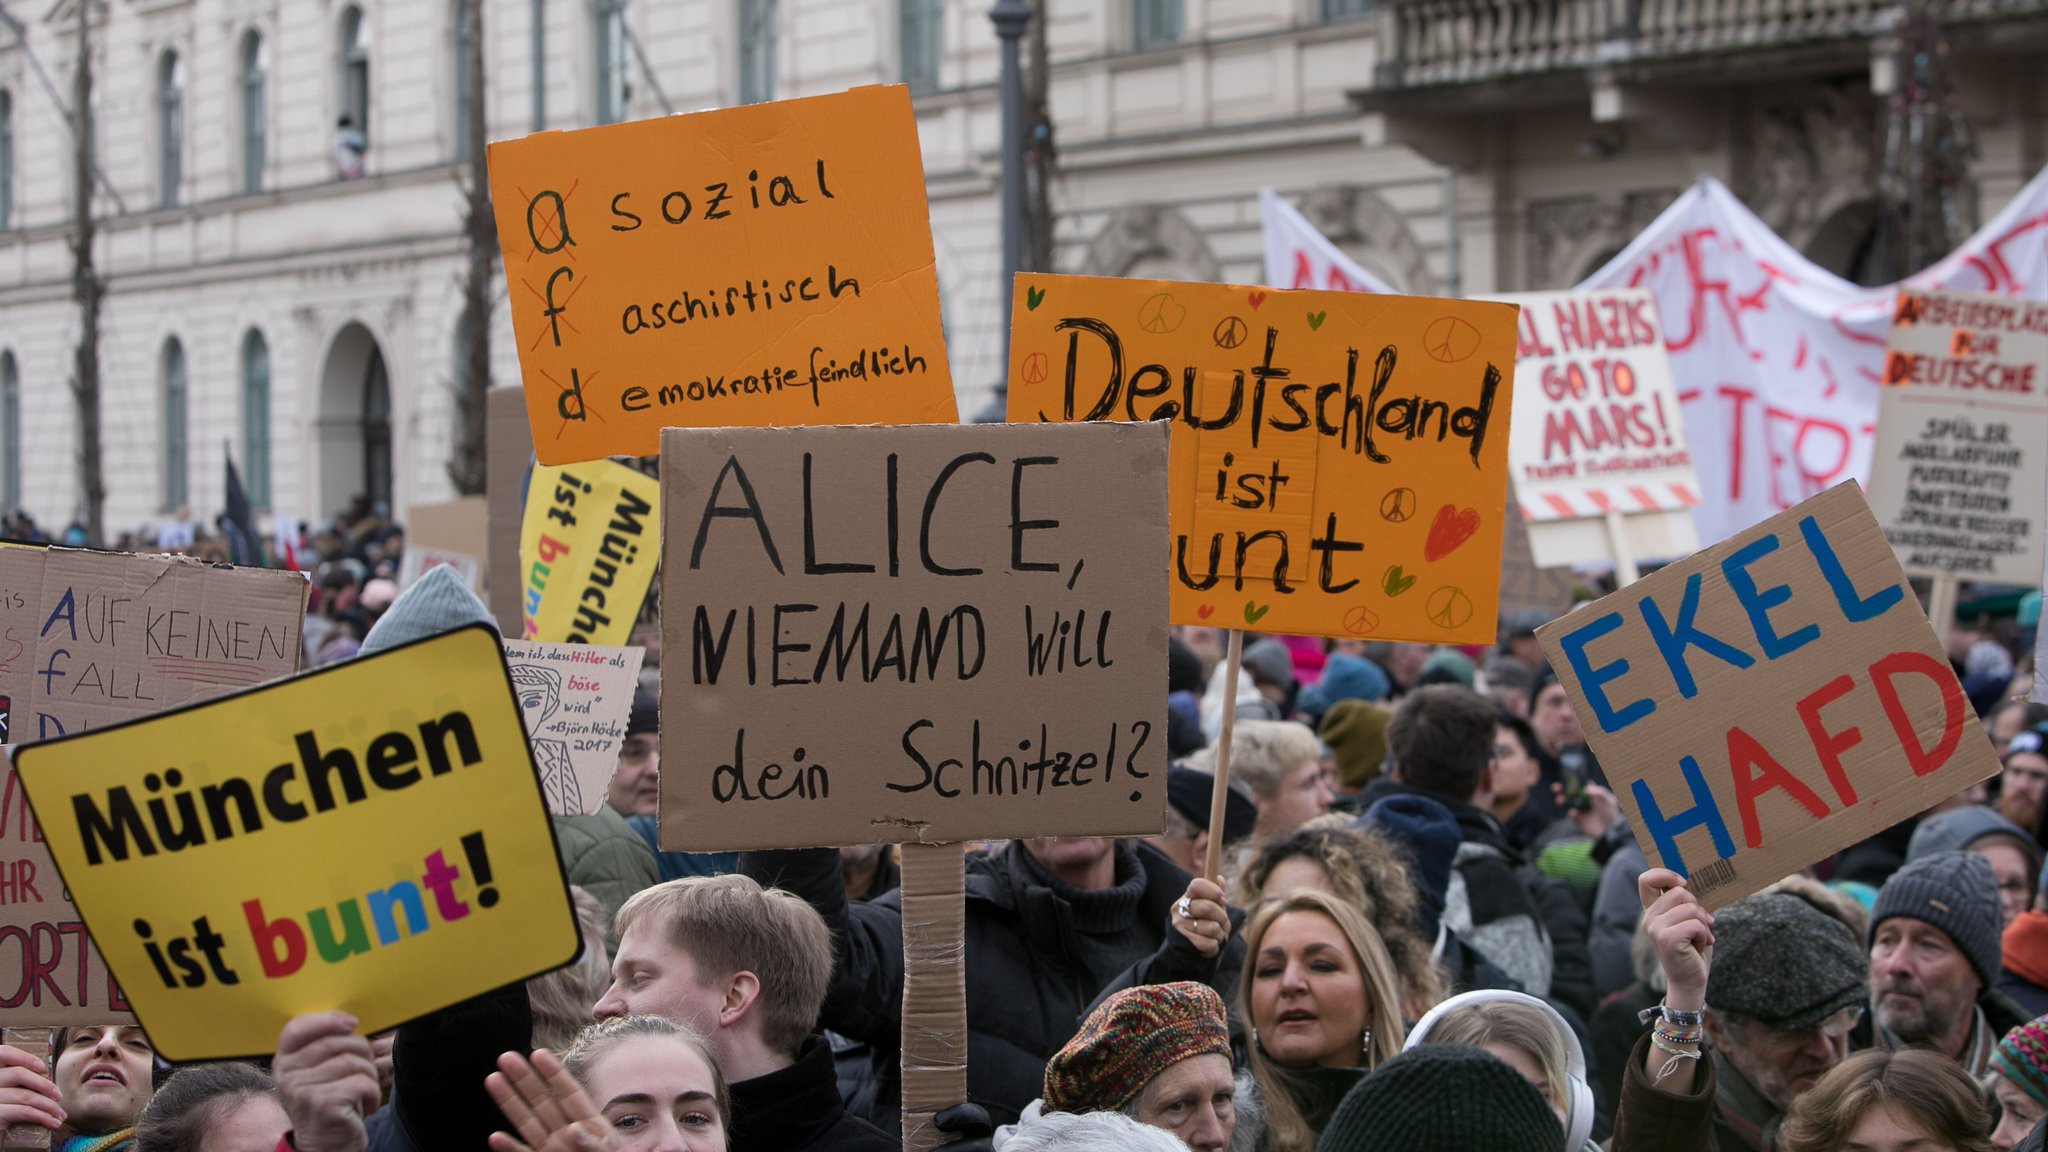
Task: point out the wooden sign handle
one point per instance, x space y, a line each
1233 660
36 1042
934 988
1625 570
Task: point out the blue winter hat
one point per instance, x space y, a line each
438 602
1345 677
1429 834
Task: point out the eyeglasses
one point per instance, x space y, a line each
1833 1028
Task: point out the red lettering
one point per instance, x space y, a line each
1882 674
1829 746
268 934
1755 773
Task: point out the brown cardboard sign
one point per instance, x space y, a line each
50 972
120 636
1770 700
1959 474
920 633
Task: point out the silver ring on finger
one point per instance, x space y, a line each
1183 909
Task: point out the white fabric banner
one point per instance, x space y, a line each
1777 360
1299 256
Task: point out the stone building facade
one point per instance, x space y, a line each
260 303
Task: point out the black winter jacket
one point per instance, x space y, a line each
1027 993
797 1109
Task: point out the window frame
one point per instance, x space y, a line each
174 380
757 49
170 126
253 81
352 75
256 439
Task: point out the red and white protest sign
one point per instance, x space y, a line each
1778 361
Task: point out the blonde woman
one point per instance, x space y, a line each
628 1084
1363 870
1530 1037
1324 1003
1280 762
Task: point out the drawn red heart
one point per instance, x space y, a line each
1205 611
1256 299
1451 528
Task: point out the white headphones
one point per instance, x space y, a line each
1578 1116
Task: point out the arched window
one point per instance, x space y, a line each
757 51
461 74
176 446
256 417
614 78
377 430
355 70
255 110
6 158
170 126
10 434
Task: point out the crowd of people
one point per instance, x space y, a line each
1433 929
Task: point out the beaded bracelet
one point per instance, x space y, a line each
1679 1035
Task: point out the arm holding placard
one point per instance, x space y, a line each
1667 1099
327 1076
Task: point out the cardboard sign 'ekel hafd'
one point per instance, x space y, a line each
1770 700
935 633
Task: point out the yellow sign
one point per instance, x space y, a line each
369 837
1339 460
764 265
588 544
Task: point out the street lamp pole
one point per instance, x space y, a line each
1011 18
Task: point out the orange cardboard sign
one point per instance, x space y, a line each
764 265
1339 460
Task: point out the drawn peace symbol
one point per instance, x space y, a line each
1449 607
1397 505
1450 340
1230 332
1161 313
1034 368
1360 620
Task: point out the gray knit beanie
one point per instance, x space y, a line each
1440 1097
1784 962
1955 892
437 602
1958 828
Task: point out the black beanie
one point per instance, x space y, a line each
1183 668
1441 1097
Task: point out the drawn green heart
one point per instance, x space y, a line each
1394 583
1315 320
1033 297
1255 611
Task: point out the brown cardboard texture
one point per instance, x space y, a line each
120 636
936 633
50 972
1770 700
21 585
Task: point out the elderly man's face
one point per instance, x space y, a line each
1921 984
1195 1100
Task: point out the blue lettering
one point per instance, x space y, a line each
1673 640
1758 603
1703 813
1855 607
1592 680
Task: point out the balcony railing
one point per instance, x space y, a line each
1449 42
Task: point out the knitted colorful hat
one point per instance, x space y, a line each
2023 1057
1131 1038
1440 1097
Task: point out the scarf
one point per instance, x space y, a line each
112 1142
